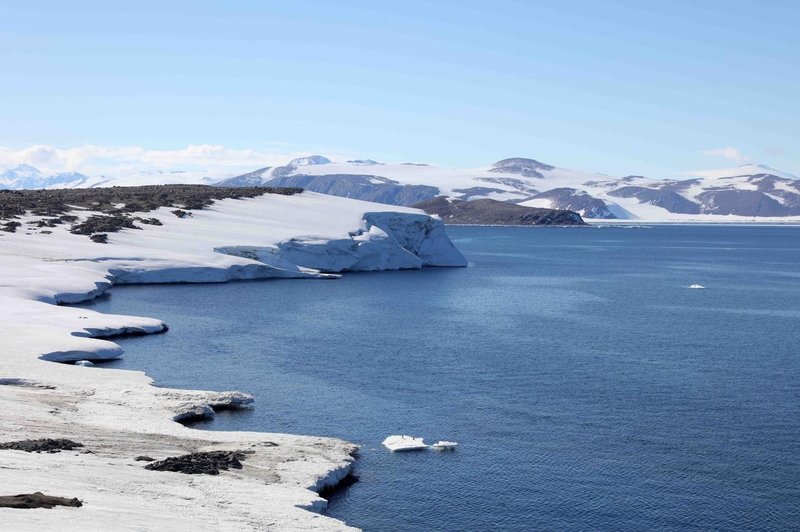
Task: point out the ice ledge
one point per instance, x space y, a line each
420 234
385 241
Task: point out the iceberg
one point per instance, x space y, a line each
404 443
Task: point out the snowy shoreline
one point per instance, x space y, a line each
119 415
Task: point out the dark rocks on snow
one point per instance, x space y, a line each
10 227
144 459
180 213
47 445
206 463
103 224
100 238
57 202
148 221
37 500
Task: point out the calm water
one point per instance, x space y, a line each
588 386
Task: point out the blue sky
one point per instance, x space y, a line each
613 86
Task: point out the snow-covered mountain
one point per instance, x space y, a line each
731 194
24 176
744 193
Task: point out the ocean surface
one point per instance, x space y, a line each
588 386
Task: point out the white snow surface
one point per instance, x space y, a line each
399 443
119 415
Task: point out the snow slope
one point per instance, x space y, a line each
119 415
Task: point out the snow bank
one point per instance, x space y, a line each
119 415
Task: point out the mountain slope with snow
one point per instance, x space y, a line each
740 194
750 192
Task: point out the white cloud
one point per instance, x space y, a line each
193 161
729 153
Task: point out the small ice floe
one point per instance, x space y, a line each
87 363
404 443
444 445
696 286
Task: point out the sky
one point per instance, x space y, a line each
614 86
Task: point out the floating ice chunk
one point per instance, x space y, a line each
696 286
404 443
444 445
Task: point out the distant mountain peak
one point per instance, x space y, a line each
21 171
26 168
364 162
522 166
309 161
742 171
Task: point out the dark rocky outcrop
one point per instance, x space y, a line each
144 459
201 463
55 203
37 500
492 212
10 227
116 204
100 224
45 445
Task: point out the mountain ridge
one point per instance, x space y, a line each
743 193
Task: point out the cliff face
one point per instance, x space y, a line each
492 212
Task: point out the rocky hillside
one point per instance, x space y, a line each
493 212
113 208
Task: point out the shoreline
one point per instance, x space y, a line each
161 419
119 414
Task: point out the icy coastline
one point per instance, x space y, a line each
118 415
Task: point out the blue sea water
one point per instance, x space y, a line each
588 386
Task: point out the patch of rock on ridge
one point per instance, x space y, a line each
37 500
201 463
44 445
